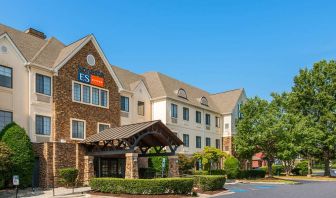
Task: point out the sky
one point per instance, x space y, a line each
217 45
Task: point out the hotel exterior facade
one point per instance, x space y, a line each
69 98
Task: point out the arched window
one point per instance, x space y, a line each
204 101
182 93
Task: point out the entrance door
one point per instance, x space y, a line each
110 167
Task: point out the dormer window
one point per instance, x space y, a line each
182 93
204 101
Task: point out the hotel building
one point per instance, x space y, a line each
79 111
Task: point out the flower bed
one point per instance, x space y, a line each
142 186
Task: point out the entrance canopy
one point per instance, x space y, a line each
139 137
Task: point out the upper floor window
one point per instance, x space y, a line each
204 101
43 125
240 115
198 142
6 117
77 129
218 143
186 113
43 84
207 141
182 93
198 117
186 140
173 110
141 108
207 119
102 127
89 94
124 103
6 76
217 122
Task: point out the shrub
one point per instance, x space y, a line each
68 176
276 169
217 172
142 186
301 168
200 172
185 164
22 160
5 163
231 167
252 174
209 182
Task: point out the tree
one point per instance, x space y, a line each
231 167
210 155
185 163
248 129
314 96
22 160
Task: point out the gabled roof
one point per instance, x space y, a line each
129 80
226 101
160 85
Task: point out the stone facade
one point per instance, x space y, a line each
173 169
65 108
131 169
228 145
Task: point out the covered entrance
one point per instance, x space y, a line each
117 152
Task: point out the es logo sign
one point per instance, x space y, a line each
90 77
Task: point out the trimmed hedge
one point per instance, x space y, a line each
212 172
142 186
252 174
68 176
209 182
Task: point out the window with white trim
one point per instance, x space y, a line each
217 122
102 127
88 94
6 117
43 125
207 141
6 77
141 108
43 84
78 129
173 110
124 103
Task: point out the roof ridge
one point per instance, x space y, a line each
137 123
227 91
41 49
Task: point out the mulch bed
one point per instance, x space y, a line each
136 196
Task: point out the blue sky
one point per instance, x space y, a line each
215 45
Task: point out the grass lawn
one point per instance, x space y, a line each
313 178
268 180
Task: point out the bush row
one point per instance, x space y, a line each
251 174
209 182
142 186
212 172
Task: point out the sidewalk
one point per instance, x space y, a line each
59 192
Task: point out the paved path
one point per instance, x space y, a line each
305 190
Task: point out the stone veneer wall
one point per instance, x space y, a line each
228 142
65 108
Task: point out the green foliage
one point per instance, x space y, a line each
276 169
5 163
231 167
147 173
252 174
68 176
185 164
155 162
301 168
22 160
142 186
208 155
212 172
200 172
209 182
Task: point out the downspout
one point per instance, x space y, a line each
29 102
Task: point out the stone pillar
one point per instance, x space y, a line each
173 169
88 169
132 170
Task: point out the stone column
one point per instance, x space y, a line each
88 169
132 170
173 170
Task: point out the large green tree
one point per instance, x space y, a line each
314 96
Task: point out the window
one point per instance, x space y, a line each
90 95
102 127
217 122
78 129
141 108
6 117
103 98
182 93
95 96
186 113
173 110
198 142
204 101
198 117
186 140
6 75
240 115
43 84
77 92
218 143
207 141
124 104
86 94
43 125
207 119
